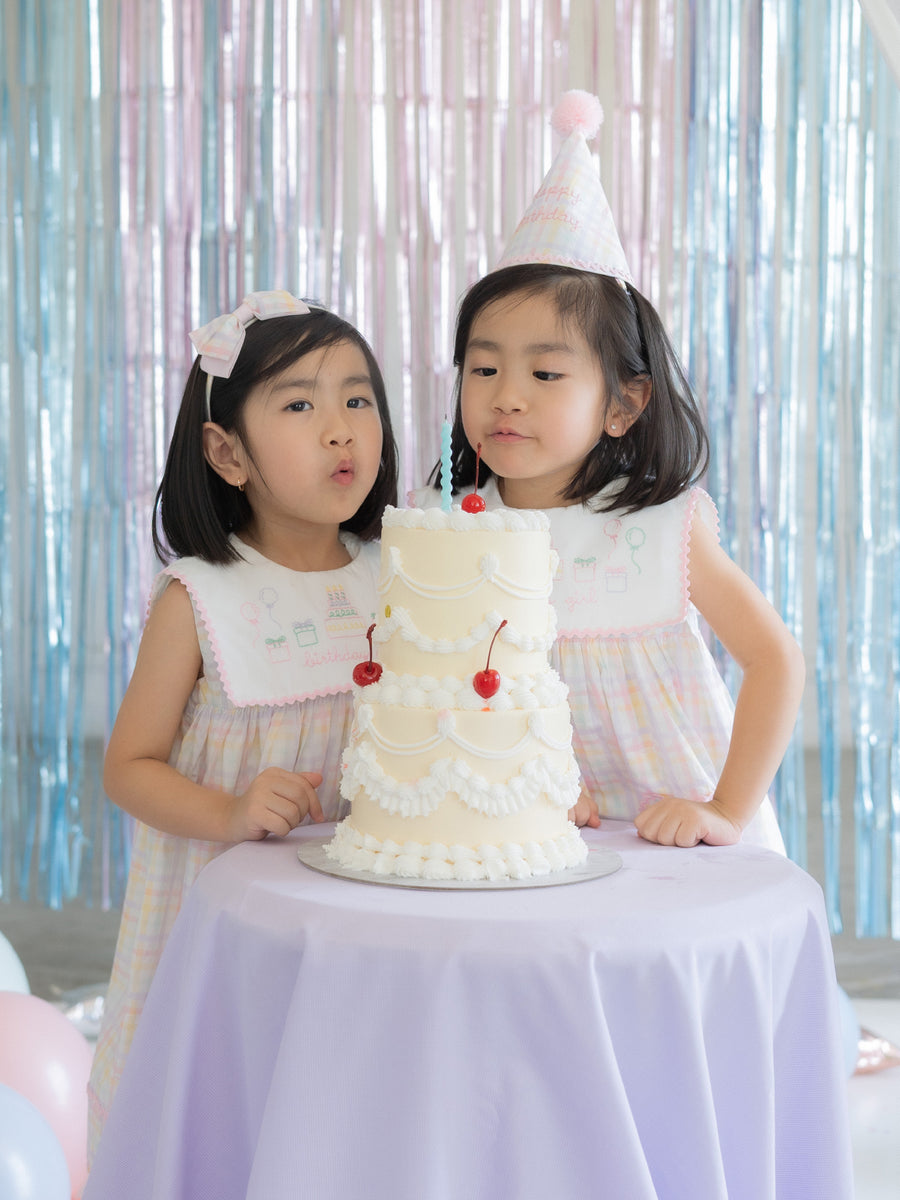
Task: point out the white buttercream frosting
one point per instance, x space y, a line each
535 730
401 621
442 781
498 520
538 776
417 860
489 570
542 690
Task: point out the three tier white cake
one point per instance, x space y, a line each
460 762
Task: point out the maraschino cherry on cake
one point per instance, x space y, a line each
473 503
487 682
368 672
460 763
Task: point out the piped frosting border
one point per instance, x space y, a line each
497 520
414 860
420 797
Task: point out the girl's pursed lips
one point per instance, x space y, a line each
344 472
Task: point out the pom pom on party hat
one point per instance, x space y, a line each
569 221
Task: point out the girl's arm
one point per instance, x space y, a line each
136 772
765 710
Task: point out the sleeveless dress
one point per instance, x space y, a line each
651 714
278 649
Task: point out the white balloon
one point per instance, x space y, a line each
12 973
32 1162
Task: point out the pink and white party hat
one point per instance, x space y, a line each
569 221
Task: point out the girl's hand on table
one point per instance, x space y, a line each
275 802
674 822
585 811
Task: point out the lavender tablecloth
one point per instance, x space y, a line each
668 1032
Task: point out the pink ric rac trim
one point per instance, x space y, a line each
264 701
565 260
694 497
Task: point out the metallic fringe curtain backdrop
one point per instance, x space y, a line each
160 159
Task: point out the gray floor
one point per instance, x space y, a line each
60 951
865 966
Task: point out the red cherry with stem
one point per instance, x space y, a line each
487 682
365 673
473 503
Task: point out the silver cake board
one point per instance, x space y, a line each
599 862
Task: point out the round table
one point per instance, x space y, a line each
669 1031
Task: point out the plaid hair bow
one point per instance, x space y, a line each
219 343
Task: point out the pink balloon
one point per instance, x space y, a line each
45 1058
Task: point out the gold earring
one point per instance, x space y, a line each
240 485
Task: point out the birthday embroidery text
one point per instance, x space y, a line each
561 215
558 191
330 656
589 597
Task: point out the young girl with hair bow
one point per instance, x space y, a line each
281 463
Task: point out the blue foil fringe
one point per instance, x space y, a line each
158 160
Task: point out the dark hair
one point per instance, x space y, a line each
197 509
666 449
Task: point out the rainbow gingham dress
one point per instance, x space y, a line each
651 713
278 649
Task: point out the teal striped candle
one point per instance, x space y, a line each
445 465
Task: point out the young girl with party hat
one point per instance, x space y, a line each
570 398
281 463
